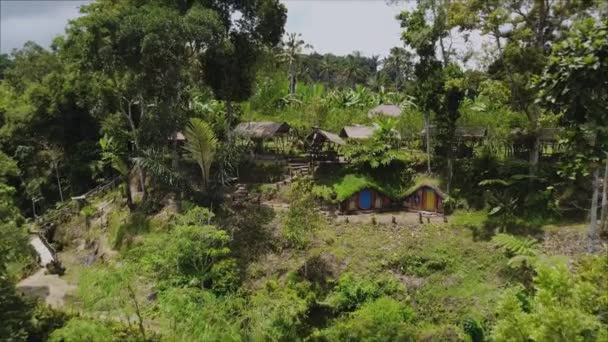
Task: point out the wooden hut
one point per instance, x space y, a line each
367 200
385 110
323 145
522 141
260 132
465 139
361 132
358 132
425 197
462 134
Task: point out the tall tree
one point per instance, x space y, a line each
523 32
575 83
423 35
229 66
292 47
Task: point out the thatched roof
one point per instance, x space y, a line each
357 132
386 110
319 136
464 132
262 130
361 132
545 135
177 136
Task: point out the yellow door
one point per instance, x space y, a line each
429 200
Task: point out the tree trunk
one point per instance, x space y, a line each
450 171
534 155
58 182
140 319
175 166
229 111
603 218
428 142
129 117
592 234
292 79
129 196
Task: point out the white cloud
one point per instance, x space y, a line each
341 26
38 21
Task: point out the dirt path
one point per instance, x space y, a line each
46 257
401 218
48 287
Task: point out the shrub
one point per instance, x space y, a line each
302 219
224 276
277 311
420 265
351 292
557 311
79 329
383 319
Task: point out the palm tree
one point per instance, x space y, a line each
352 69
110 155
201 143
399 66
292 48
325 69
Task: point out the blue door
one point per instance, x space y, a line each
365 199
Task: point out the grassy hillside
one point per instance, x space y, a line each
359 276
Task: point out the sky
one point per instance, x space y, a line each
330 26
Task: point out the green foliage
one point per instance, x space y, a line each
378 320
516 245
302 218
381 150
352 291
15 312
557 311
127 228
201 143
189 314
421 264
196 254
349 184
473 329
78 329
277 311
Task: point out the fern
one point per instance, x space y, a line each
523 250
516 245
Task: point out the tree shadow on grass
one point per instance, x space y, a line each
252 234
135 224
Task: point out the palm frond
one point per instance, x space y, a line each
201 143
156 164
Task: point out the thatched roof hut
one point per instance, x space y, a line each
385 110
357 132
468 133
320 137
262 129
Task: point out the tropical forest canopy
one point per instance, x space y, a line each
141 99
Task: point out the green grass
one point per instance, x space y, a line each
421 180
456 278
346 184
462 218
